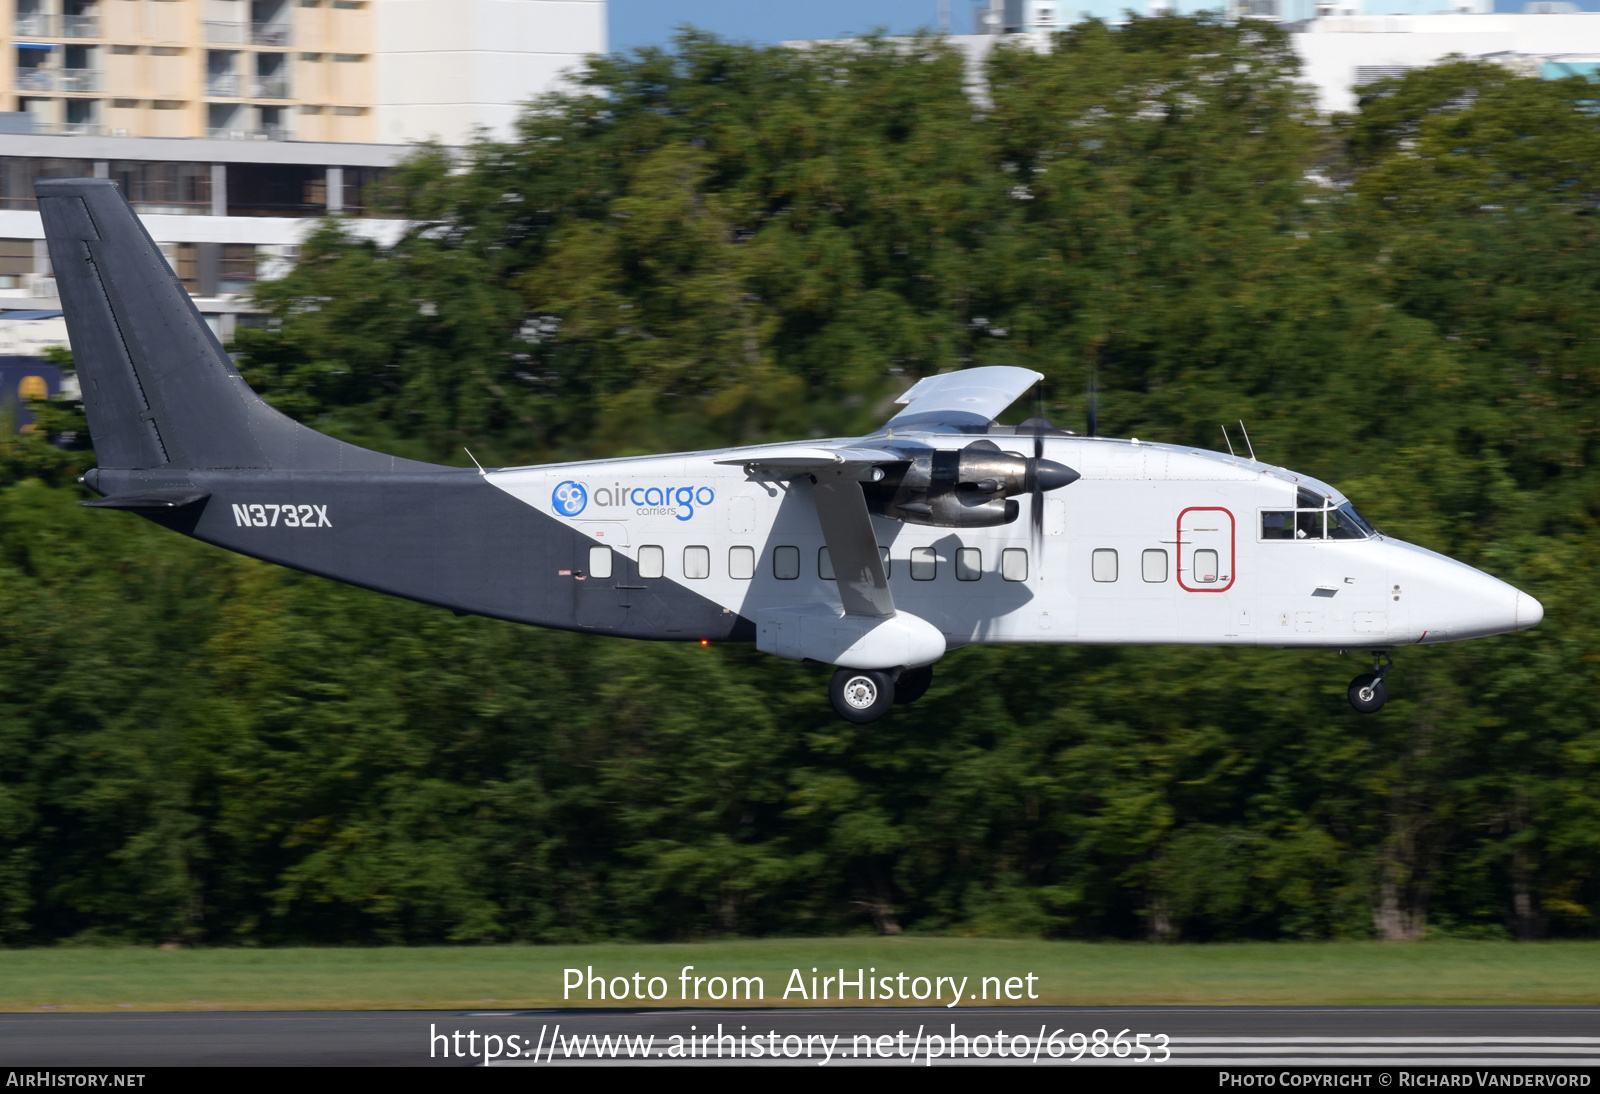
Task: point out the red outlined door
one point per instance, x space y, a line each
1205 549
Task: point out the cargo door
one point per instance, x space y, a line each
1205 549
604 575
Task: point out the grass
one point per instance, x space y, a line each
1069 973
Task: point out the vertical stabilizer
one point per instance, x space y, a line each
158 388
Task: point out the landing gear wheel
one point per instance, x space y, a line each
913 684
861 695
1368 693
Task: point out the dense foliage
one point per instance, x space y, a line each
726 244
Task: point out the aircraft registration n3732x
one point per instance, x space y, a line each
876 554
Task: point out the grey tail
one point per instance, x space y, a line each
158 388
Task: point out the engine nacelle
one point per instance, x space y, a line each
970 487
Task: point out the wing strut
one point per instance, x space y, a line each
852 544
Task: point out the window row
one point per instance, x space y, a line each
1334 523
924 563
1103 566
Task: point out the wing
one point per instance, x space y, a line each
835 476
792 461
965 400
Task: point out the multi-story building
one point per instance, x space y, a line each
315 70
1346 44
234 125
1035 16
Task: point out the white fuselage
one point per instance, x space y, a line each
1155 544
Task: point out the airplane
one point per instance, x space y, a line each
875 554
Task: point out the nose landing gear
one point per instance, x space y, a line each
1367 691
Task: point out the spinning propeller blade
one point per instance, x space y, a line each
1035 490
1092 405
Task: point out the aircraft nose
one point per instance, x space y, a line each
1451 600
1529 611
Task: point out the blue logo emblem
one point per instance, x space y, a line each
570 498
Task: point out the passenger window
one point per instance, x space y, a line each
599 562
1014 564
1308 525
697 562
1104 564
1205 567
786 563
1155 565
741 563
924 563
969 564
1277 525
652 561
825 563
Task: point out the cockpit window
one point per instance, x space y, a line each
1277 525
1308 499
1315 521
1345 523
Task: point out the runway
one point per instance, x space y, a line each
1214 1037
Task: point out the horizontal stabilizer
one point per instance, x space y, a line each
152 499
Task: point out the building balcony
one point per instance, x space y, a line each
80 26
79 79
270 87
35 24
222 86
269 34
35 79
268 133
228 34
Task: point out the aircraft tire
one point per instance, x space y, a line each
1373 700
861 695
913 684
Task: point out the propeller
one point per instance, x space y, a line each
1040 475
1035 494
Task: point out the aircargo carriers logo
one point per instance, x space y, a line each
571 498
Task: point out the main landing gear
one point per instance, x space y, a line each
865 695
1367 691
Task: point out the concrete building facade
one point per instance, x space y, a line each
316 70
235 126
1344 45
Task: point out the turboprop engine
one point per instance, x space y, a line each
971 487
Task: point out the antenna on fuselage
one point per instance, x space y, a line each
1229 442
1246 433
474 459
